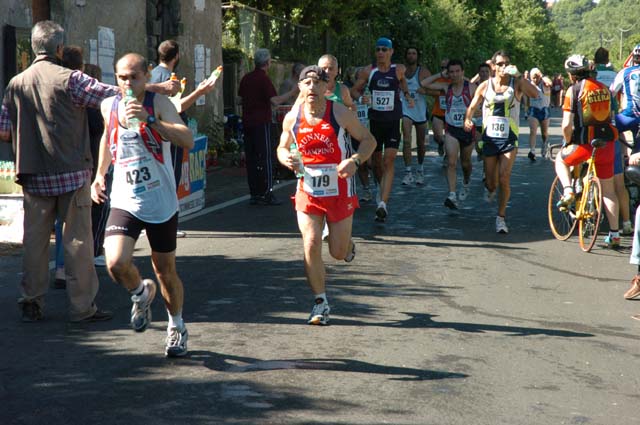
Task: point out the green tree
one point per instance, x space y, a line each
520 23
471 30
567 14
605 22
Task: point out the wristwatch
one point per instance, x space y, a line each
356 161
151 120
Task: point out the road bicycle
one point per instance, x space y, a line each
585 211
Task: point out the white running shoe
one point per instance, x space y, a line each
419 178
464 192
489 196
451 202
176 342
350 256
627 228
141 310
381 212
501 225
408 179
319 313
325 231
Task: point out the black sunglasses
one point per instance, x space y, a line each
381 49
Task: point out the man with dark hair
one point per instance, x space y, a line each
437 113
143 195
458 140
258 95
169 50
326 190
601 56
414 117
499 97
169 58
386 82
72 57
54 169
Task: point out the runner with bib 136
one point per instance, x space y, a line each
500 99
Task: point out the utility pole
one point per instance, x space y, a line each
622 32
606 41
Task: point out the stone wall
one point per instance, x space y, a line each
135 29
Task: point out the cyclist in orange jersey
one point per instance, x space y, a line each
587 115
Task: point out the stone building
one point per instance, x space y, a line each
106 29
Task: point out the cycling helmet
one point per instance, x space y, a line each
636 50
576 64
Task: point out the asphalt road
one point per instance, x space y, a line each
439 320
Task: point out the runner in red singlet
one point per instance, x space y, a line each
318 128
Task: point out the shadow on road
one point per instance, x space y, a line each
238 364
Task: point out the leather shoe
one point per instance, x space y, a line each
59 284
272 200
634 291
265 200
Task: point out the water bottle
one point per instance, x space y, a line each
293 150
216 73
512 70
132 123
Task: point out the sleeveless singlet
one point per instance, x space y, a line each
143 180
456 106
322 148
500 113
419 111
385 98
543 100
336 96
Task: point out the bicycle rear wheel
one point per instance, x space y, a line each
562 223
590 220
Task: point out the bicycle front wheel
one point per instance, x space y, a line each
562 223
589 222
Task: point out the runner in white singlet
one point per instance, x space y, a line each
143 195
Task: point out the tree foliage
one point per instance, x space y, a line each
585 25
471 30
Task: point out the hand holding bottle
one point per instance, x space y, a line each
216 74
296 160
132 110
512 70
